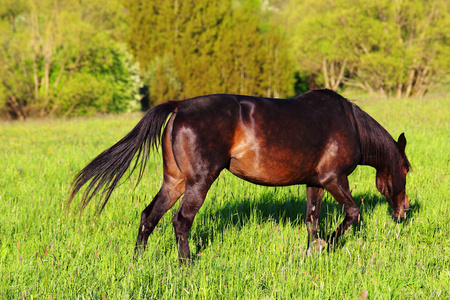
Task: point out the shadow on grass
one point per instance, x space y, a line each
291 211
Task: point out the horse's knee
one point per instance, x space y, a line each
144 216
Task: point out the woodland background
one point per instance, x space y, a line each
80 57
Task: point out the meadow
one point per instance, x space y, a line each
247 241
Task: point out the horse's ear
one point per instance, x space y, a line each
402 143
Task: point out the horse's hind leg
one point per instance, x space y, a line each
190 204
172 188
169 193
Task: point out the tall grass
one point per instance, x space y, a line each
248 241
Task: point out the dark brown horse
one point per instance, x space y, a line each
316 139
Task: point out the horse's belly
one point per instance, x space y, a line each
271 172
274 156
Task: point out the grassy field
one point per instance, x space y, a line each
248 241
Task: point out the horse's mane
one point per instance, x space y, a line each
377 146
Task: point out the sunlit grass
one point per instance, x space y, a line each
247 241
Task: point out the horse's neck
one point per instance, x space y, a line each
380 166
381 157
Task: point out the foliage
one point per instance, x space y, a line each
47 45
384 47
189 48
106 82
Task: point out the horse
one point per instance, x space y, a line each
316 139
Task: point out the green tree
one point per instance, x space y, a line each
278 66
384 47
240 53
46 44
189 48
105 81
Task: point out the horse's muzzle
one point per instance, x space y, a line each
401 213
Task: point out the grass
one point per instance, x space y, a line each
248 241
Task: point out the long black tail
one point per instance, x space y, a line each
105 171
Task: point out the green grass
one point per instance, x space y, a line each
248 241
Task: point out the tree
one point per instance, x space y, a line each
49 44
278 69
384 47
189 48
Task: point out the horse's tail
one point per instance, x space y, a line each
105 171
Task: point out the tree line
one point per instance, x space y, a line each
78 57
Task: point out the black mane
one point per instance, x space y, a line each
378 148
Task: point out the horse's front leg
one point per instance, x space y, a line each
314 197
340 191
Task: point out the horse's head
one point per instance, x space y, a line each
391 182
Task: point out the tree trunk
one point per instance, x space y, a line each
15 105
325 73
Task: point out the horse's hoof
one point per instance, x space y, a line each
316 246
